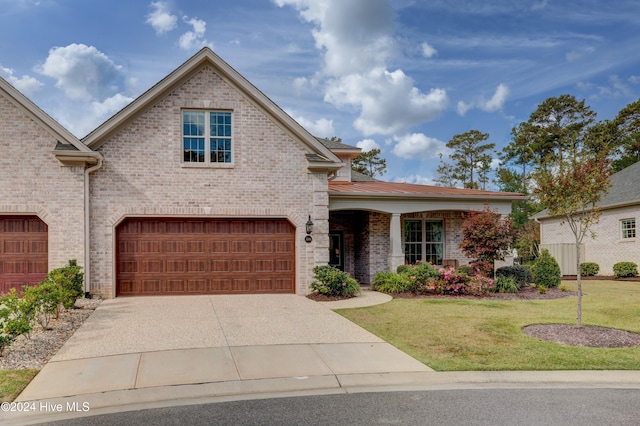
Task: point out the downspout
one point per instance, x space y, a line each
87 229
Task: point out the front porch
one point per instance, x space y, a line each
364 242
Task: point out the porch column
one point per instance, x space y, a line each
396 257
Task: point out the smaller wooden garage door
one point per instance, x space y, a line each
23 251
157 256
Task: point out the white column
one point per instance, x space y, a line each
396 256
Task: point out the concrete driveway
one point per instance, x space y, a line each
146 342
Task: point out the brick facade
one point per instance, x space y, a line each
608 247
143 175
34 182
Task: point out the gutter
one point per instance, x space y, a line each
87 229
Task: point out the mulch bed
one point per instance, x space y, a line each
587 336
323 298
527 293
599 277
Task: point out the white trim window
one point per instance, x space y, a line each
628 228
423 241
206 137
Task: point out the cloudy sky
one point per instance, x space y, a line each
400 75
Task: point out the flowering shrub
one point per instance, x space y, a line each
331 281
456 283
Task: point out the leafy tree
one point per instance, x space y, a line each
446 174
486 237
571 188
557 128
627 133
469 155
369 163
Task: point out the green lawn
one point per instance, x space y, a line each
12 382
482 334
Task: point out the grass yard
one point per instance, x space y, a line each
12 382
484 334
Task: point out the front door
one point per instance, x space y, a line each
336 249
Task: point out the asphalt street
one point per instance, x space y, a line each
513 407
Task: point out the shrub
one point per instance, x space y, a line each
506 285
520 274
589 268
625 269
331 281
15 318
389 282
43 301
403 268
455 283
422 272
465 269
69 279
546 271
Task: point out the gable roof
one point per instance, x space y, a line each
624 190
185 71
68 149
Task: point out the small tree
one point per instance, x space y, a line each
571 188
486 237
369 163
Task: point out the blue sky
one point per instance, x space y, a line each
401 75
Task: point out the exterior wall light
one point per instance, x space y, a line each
309 229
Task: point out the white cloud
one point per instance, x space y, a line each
82 72
539 5
497 100
495 103
367 145
194 39
418 145
574 55
634 79
25 84
388 101
110 106
357 43
322 127
427 50
160 18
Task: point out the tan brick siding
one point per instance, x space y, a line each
143 174
33 181
608 247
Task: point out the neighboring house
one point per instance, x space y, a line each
615 233
204 185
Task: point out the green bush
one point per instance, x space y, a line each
403 268
69 279
331 281
390 282
520 274
546 271
421 272
15 318
506 285
625 269
589 268
44 301
465 269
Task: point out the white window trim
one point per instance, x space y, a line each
207 145
623 229
424 243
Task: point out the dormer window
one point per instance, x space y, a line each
206 137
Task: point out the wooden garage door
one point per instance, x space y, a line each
23 251
157 256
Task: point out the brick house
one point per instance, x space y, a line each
615 233
204 185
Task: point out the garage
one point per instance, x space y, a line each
173 256
23 251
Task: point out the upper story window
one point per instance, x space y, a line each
206 137
628 228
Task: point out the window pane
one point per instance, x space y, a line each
193 123
193 150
